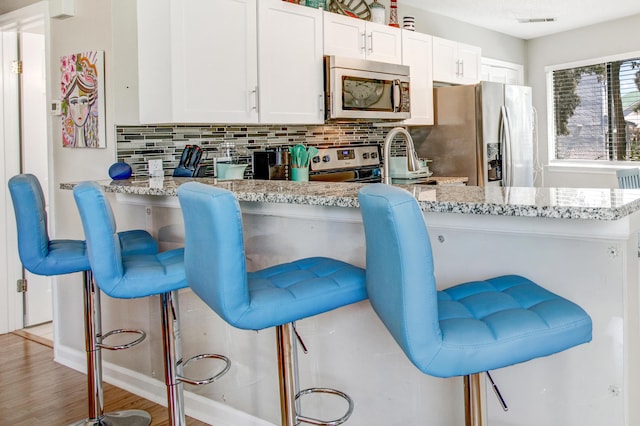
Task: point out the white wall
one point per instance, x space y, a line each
90 29
494 45
596 41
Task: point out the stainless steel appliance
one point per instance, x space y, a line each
346 164
271 164
361 89
483 132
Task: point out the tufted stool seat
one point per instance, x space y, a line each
141 275
43 256
272 297
503 321
466 329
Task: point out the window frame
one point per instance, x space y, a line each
572 164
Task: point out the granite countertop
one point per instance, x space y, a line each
564 203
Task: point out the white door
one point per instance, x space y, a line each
37 298
23 133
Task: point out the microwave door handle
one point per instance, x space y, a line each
395 95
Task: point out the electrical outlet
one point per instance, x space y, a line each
155 168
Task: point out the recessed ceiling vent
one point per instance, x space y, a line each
535 20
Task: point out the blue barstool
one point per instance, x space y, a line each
42 256
272 297
133 276
464 330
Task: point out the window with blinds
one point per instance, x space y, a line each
597 111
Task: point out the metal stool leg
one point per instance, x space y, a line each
172 357
286 374
173 363
475 400
288 378
93 332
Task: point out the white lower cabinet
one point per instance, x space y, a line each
417 54
229 61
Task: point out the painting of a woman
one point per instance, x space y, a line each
82 103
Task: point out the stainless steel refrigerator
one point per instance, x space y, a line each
482 131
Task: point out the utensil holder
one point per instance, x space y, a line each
300 174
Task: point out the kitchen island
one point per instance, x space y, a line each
579 243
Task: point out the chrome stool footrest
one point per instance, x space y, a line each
142 334
335 422
212 379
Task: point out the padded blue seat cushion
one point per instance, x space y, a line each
303 288
62 257
216 268
468 328
42 256
118 274
503 321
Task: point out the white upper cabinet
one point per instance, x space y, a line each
291 73
455 63
199 61
215 70
502 72
356 38
417 54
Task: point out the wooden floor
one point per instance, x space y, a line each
34 390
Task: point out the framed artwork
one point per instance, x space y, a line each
82 86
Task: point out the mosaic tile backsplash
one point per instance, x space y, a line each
138 144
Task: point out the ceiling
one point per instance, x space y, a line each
503 15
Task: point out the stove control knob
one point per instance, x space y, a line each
374 155
365 155
316 159
326 158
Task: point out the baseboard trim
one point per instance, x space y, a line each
196 406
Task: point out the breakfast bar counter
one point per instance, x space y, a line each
579 243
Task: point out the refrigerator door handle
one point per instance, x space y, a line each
505 143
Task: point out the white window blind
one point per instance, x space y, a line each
597 111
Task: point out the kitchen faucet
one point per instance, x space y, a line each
413 164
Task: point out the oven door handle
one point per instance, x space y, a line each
396 95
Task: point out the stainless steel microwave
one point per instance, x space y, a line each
361 89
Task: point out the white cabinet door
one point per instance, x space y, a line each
417 54
384 43
191 71
214 65
344 36
291 73
501 71
469 58
154 61
455 63
355 38
445 60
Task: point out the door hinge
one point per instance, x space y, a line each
21 285
16 67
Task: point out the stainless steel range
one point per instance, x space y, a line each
346 164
